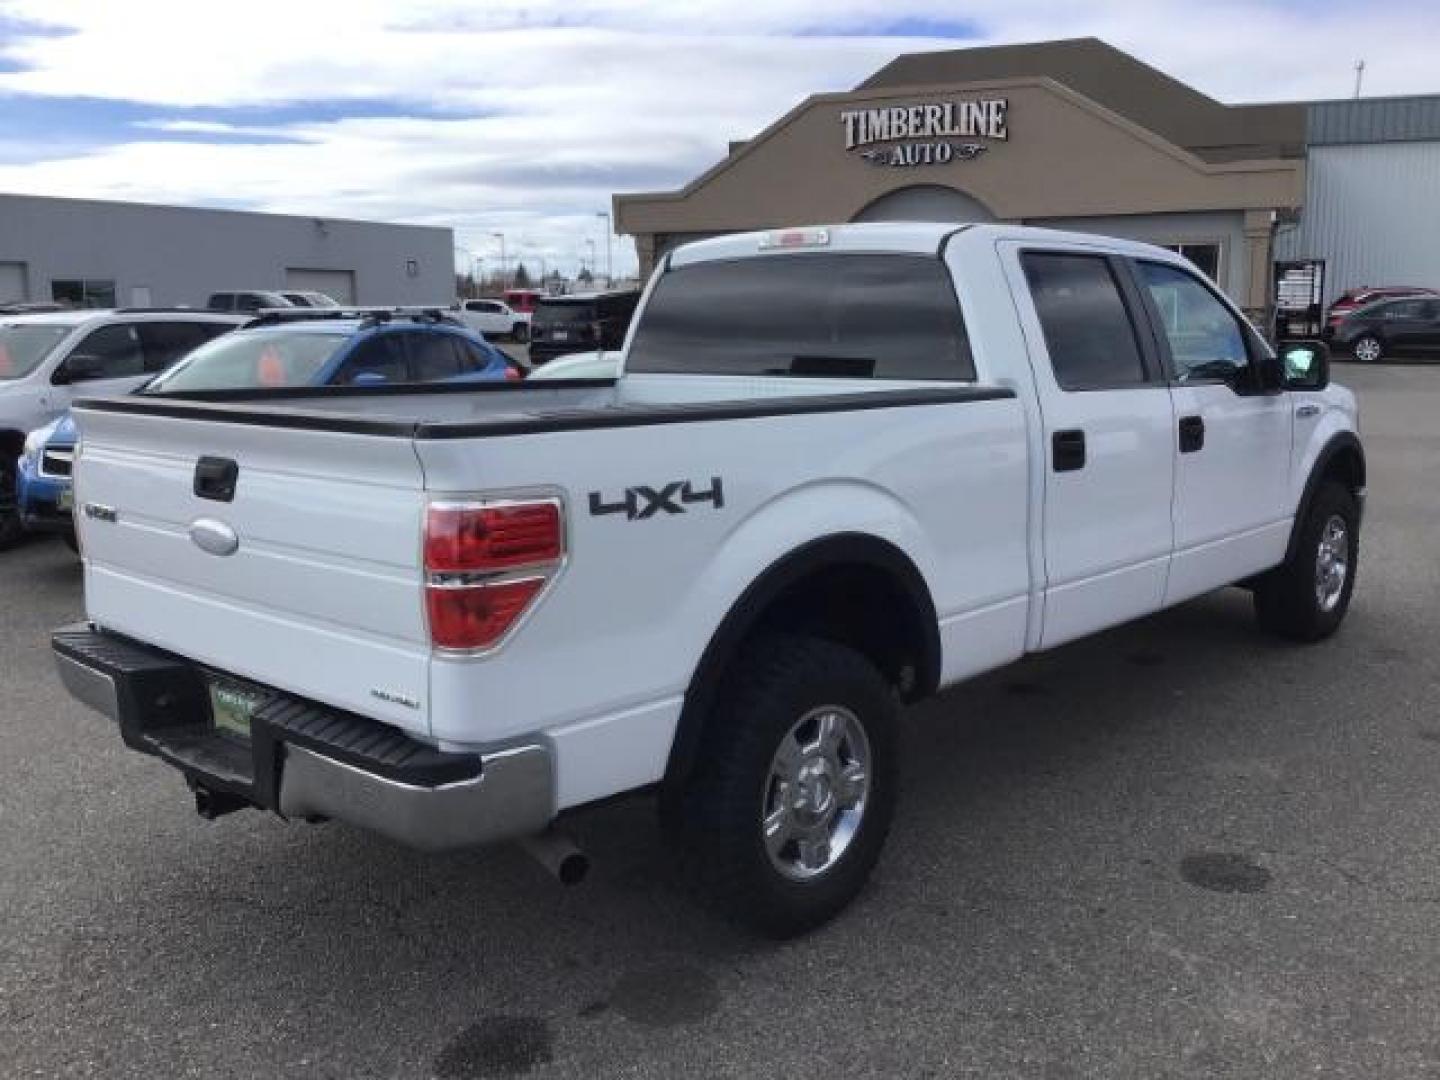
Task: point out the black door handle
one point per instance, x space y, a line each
215 478
1192 434
1068 450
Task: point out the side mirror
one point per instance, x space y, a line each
1306 365
78 368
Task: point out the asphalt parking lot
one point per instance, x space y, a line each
1177 850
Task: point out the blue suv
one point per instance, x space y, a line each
275 352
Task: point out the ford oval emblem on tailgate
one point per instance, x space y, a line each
214 536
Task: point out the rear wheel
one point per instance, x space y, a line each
11 527
1306 598
792 798
1368 349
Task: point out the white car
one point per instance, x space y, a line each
46 358
495 319
585 365
843 468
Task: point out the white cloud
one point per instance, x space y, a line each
557 104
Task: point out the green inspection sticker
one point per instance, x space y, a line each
232 706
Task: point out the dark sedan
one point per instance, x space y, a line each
1379 330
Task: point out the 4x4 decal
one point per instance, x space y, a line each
641 502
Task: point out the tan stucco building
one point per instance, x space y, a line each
1070 134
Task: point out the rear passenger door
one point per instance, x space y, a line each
1108 439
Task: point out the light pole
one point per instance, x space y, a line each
606 215
504 275
470 267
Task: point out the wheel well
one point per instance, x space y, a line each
852 589
1346 465
11 444
1342 459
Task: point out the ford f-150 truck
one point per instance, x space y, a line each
841 468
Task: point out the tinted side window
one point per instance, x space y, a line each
382 355
220 301
117 348
887 316
1088 330
1403 309
472 357
164 343
1206 341
432 357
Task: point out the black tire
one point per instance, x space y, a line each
520 333
1371 346
1288 600
12 528
777 681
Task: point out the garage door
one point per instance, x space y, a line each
12 282
336 284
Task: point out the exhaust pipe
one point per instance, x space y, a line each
558 854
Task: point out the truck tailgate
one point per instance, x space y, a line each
321 595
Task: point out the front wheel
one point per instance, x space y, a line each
795 786
1306 597
1368 349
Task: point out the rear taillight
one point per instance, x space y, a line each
486 565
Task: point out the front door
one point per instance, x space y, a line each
1107 429
1232 436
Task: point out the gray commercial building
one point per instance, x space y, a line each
104 254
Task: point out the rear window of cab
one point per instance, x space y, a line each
837 315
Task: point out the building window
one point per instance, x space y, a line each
92 293
1205 256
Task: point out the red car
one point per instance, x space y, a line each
1368 294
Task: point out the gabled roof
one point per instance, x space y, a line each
1129 87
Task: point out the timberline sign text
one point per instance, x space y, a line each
939 123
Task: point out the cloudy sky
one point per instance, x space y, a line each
523 116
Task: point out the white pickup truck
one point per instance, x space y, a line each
842 468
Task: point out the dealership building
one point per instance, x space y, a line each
106 254
1299 200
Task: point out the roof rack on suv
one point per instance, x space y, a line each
177 309
368 316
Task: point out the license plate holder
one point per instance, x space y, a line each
233 705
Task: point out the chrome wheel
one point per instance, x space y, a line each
1332 563
1368 349
816 792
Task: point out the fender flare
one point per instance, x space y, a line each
1340 443
841 549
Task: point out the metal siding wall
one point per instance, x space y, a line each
1370 213
1371 120
182 254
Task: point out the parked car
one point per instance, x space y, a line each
47 359
247 300
275 353
43 487
523 300
1382 329
586 365
494 319
1370 294
311 299
844 467
567 324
